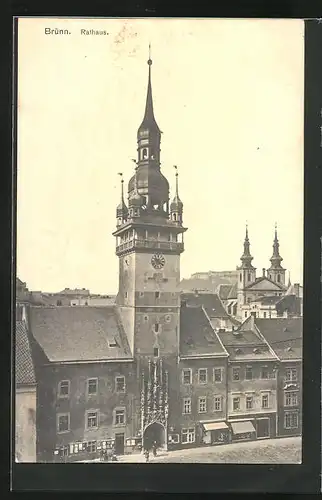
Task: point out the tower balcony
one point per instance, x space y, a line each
150 245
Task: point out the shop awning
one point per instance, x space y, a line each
213 426
242 427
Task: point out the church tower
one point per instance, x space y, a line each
276 272
149 241
247 273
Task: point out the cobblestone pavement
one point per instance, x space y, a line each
282 450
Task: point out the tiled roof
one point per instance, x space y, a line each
25 372
240 338
289 303
223 291
79 333
283 334
233 292
210 301
250 353
196 334
268 299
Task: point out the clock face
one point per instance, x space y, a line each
158 261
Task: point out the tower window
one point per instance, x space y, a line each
248 277
174 217
168 318
146 318
240 277
157 295
278 278
156 352
144 153
156 327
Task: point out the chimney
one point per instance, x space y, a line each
264 272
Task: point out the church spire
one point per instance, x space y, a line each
149 123
276 259
246 258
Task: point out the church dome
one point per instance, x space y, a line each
150 181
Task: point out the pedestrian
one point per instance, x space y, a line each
154 448
147 455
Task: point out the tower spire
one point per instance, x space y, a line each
276 259
149 121
246 258
176 207
121 211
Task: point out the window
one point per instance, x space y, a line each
236 403
278 278
119 416
249 402
92 386
168 318
146 318
91 446
248 277
245 314
218 403
91 419
156 352
202 405
264 400
63 388
240 277
291 420
64 451
188 435
264 314
202 375
63 422
141 294
264 372
236 374
120 384
187 405
156 327
174 438
186 376
126 295
157 295
217 374
249 373
291 374
291 398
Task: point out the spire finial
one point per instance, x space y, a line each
177 175
122 182
246 230
149 60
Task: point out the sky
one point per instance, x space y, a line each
228 97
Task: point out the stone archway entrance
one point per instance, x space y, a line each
154 432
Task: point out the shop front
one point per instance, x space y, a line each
215 433
243 430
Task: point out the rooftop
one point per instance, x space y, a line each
210 301
197 337
71 334
25 373
284 335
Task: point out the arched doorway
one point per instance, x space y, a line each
154 432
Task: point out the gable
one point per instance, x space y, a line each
264 284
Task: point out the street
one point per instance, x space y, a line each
269 451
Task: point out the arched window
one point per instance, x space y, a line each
249 277
174 216
278 278
240 277
144 153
